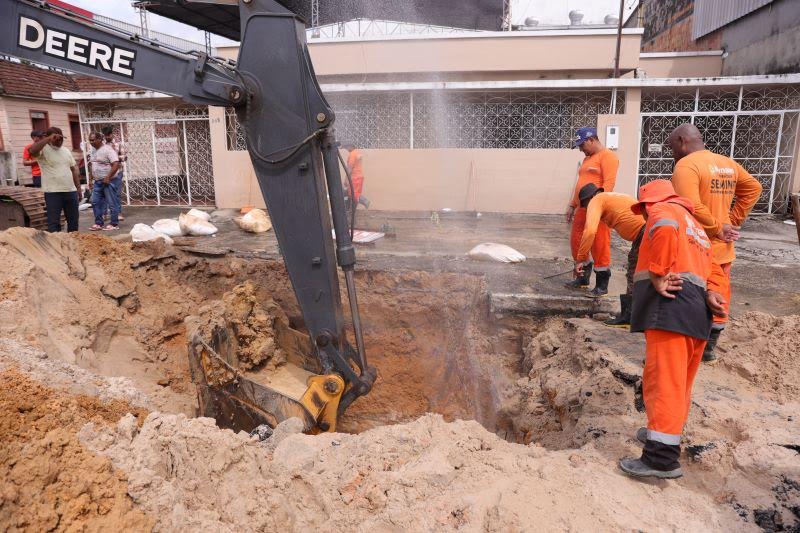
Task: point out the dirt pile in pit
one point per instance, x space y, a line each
742 439
48 479
424 476
248 322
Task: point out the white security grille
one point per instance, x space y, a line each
755 126
450 119
169 150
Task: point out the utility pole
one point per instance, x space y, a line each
507 19
315 19
619 38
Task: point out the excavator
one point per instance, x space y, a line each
293 149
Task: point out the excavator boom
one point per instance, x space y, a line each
290 139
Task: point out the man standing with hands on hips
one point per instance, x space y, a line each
600 168
711 182
61 182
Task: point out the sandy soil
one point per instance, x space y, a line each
92 329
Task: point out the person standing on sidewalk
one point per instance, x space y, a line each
61 183
614 210
122 155
711 182
600 168
28 161
676 289
103 167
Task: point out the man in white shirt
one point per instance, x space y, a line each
103 169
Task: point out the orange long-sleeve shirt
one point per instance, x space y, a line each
710 181
614 209
600 169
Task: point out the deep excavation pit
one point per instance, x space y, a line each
566 386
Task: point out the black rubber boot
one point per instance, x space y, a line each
641 435
709 356
581 282
601 283
637 468
623 319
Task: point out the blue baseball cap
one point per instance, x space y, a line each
583 135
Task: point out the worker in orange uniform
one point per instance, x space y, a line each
599 167
711 181
614 210
356 170
676 290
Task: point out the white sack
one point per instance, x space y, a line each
202 215
168 226
255 221
191 225
143 232
490 251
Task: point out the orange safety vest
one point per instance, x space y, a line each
674 241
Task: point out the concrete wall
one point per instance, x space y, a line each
766 41
689 65
474 55
508 181
15 122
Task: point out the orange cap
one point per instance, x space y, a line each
654 192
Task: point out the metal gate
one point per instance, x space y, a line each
168 146
756 126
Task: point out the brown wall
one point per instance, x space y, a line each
681 67
15 122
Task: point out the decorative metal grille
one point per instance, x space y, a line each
169 150
373 120
459 119
505 119
234 132
755 126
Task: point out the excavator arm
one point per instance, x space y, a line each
290 139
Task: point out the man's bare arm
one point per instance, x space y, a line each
37 147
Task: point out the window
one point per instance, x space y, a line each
75 132
39 120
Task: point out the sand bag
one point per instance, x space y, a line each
143 232
490 251
191 225
202 215
255 221
168 226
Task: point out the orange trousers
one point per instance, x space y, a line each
601 248
726 293
670 366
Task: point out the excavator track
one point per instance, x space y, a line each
31 202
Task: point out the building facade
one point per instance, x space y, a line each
479 121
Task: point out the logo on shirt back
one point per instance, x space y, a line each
725 180
696 233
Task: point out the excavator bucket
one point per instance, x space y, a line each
243 400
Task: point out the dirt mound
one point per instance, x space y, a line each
48 480
763 349
423 476
741 441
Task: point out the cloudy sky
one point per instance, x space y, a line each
547 11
